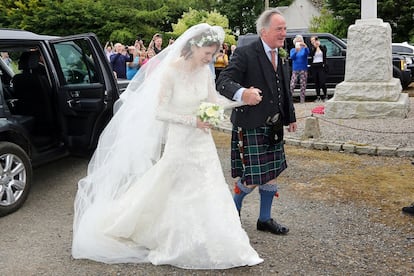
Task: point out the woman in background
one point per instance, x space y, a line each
299 56
319 68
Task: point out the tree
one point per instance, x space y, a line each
326 23
118 20
243 14
346 12
193 17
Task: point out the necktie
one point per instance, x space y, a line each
273 56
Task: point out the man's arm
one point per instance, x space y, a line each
228 83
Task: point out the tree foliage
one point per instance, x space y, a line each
326 23
115 20
398 13
242 14
193 17
123 20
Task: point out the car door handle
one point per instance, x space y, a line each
72 103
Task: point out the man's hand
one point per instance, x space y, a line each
252 96
292 127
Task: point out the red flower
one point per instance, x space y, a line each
236 189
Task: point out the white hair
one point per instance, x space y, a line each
297 38
264 20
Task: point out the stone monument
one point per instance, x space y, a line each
369 89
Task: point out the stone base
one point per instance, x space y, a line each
312 129
368 91
367 109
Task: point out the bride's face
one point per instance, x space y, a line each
204 55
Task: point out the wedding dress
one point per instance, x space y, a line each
155 190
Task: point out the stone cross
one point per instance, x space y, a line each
368 9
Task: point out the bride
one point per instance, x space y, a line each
155 191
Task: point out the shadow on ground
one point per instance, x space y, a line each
385 184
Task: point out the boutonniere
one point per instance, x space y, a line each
283 54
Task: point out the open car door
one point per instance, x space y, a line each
86 89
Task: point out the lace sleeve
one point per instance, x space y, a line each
163 111
215 97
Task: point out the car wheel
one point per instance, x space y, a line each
396 73
15 177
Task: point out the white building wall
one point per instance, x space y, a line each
299 14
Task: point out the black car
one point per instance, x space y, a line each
407 50
56 96
336 57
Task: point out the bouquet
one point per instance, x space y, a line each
211 113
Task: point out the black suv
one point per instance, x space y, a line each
336 56
56 96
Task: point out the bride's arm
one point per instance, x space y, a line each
215 97
164 113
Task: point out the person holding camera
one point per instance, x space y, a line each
299 56
319 68
119 60
156 43
221 62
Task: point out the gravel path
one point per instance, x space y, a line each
327 237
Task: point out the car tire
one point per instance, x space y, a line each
15 177
396 73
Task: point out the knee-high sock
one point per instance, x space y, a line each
266 200
242 191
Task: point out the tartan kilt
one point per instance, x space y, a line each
263 161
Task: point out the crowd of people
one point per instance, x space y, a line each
126 60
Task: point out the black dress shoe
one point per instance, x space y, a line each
409 209
272 227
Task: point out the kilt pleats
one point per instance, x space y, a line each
262 161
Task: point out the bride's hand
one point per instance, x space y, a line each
203 125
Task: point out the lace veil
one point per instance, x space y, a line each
131 143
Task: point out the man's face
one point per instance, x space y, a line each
274 35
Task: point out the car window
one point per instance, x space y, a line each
332 48
401 49
76 62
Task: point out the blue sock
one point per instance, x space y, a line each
266 200
238 198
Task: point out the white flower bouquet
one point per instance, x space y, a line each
211 113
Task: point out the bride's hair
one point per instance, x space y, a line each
205 39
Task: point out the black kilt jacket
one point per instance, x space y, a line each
250 67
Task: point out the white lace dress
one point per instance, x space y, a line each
181 211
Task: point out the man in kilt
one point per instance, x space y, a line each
259 77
